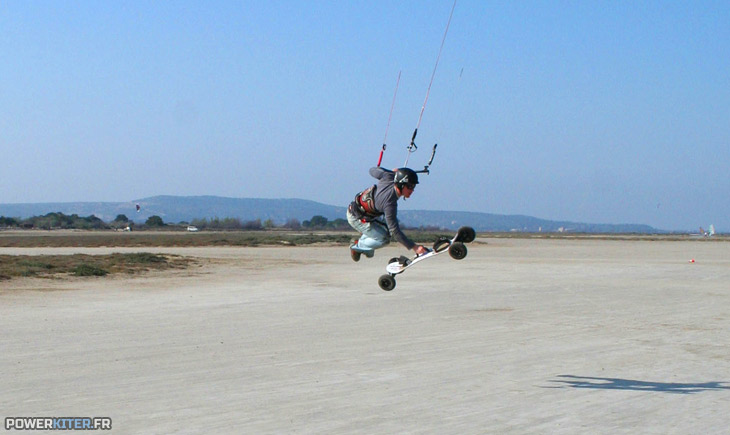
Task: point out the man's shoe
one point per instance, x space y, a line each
354 254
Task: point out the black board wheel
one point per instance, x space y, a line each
393 260
466 235
386 282
457 251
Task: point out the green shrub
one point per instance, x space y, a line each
88 270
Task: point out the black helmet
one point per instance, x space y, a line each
405 176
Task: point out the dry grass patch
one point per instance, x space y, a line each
52 266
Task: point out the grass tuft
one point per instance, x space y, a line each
88 270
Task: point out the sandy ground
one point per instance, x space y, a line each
522 336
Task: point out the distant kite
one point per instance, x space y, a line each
138 208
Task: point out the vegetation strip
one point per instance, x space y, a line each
52 266
93 239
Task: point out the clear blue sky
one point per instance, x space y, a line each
603 112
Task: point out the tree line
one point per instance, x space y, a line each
57 220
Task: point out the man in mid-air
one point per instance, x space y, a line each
378 200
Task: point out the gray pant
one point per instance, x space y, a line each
374 235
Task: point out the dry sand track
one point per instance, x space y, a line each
522 336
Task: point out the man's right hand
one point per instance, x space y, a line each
420 249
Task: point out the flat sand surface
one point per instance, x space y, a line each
522 336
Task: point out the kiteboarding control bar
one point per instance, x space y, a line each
425 169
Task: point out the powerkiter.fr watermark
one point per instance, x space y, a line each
58 423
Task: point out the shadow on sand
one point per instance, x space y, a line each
570 381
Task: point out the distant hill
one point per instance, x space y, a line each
174 209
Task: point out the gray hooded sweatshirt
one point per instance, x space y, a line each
386 203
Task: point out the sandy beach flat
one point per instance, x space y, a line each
522 336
